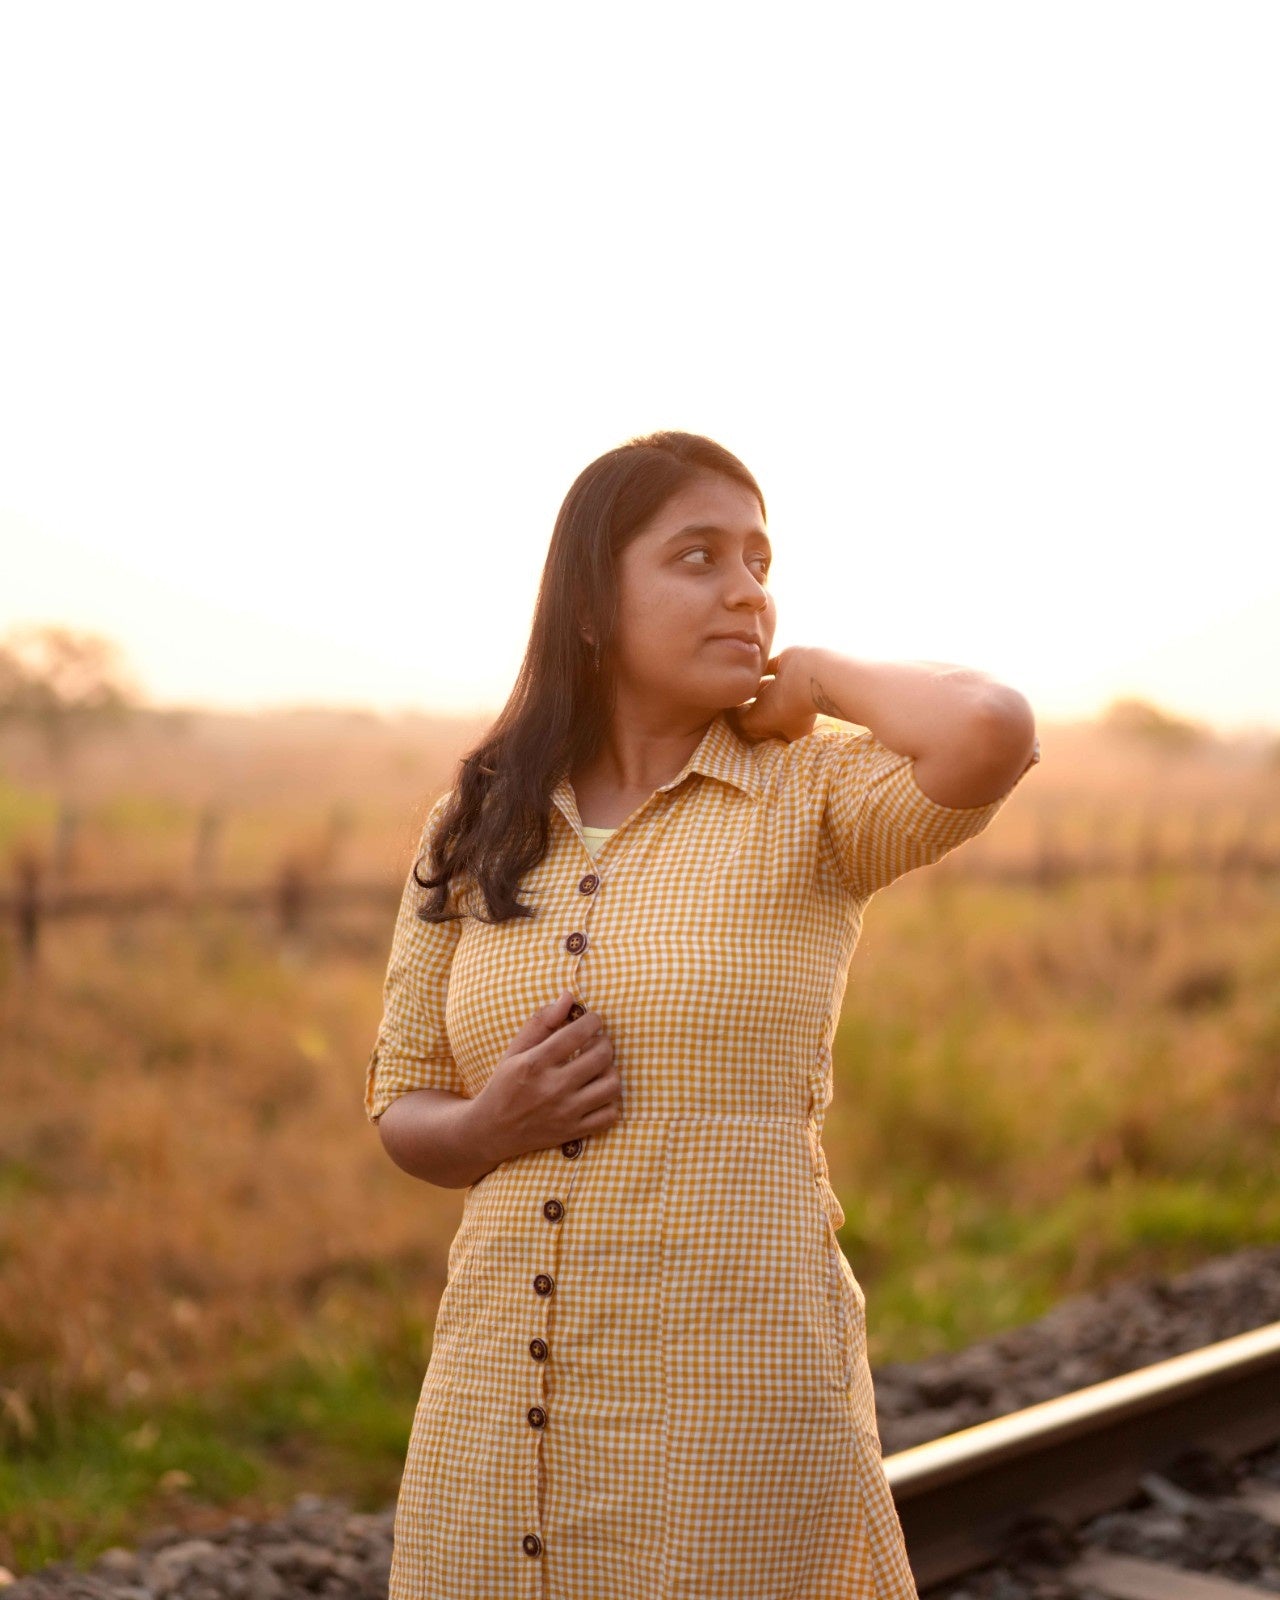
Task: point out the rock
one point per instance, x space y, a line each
119 1566
177 1566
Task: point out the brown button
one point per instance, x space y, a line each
552 1210
531 1544
574 1012
537 1417
590 883
575 943
571 1148
543 1284
538 1349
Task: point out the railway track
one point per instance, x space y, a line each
1159 1484
1019 1505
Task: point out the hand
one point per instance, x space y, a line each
556 1081
783 705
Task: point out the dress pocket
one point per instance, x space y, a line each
462 1263
463 1291
841 1330
844 1306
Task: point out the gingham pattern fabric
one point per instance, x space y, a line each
648 1378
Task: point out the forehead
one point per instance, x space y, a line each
709 505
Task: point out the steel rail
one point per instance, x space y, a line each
965 1499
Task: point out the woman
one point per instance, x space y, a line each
648 1377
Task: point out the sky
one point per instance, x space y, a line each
310 315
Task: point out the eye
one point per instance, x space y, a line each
763 561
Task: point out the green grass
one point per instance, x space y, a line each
334 1417
321 1424
997 1265
1035 1096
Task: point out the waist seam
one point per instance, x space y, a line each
707 1116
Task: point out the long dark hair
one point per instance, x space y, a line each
495 826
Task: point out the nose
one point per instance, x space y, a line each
745 587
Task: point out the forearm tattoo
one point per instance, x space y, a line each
823 701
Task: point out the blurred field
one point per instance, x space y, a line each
216 1289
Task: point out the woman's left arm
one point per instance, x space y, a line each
970 736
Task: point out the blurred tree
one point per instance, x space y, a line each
64 686
1143 720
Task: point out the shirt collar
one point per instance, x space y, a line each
720 754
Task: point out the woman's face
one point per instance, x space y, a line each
699 569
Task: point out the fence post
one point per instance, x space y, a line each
291 897
27 904
208 838
64 840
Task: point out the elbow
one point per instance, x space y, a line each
395 1135
1008 733
1007 716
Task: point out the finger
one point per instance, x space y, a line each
542 1024
570 1040
744 719
592 1058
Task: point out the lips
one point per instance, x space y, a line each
743 638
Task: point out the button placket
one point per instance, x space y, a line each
577 942
552 1209
537 1412
537 1415
588 885
544 1283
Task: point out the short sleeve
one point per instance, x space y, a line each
880 822
412 1047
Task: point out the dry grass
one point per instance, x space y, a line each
1036 1092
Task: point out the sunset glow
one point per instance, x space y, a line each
312 316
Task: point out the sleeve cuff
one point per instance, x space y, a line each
927 818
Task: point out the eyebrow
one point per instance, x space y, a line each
719 532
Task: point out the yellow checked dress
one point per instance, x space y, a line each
648 1378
